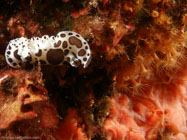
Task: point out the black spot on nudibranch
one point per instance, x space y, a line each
63 35
16 55
57 44
39 53
65 44
66 52
75 41
85 59
14 64
20 64
8 52
10 60
55 56
82 52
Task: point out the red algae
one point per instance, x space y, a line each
17 96
81 12
70 129
48 116
104 2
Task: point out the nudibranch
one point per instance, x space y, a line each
66 46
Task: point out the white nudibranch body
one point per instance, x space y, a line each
65 46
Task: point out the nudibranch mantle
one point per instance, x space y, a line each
66 46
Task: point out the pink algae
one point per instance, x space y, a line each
70 129
161 112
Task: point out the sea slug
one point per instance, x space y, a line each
66 46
